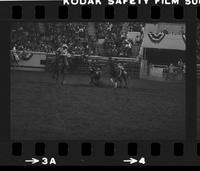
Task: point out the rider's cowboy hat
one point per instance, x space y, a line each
64 46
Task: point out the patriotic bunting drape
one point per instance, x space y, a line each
156 37
22 55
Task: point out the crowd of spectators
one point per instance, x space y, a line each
136 27
115 38
47 37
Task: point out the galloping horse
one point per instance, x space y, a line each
61 64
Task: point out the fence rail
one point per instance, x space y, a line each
90 56
80 62
132 65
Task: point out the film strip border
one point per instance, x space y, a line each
109 12
86 149
111 152
105 153
54 10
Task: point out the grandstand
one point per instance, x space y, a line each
46 37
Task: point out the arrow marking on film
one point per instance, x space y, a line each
32 161
131 161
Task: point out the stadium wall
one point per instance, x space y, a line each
35 63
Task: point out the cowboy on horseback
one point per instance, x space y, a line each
61 63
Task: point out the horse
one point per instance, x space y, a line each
60 66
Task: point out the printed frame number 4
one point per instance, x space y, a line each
142 161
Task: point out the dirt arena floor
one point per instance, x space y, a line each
147 110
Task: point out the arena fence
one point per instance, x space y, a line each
28 60
41 61
81 64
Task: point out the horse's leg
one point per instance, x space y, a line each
63 78
58 83
92 79
63 75
54 68
112 81
115 84
125 81
182 75
97 79
53 73
120 82
90 82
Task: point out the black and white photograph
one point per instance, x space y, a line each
198 79
97 80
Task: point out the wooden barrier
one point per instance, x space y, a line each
36 62
82 66
41 61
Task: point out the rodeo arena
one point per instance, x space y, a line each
97 81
